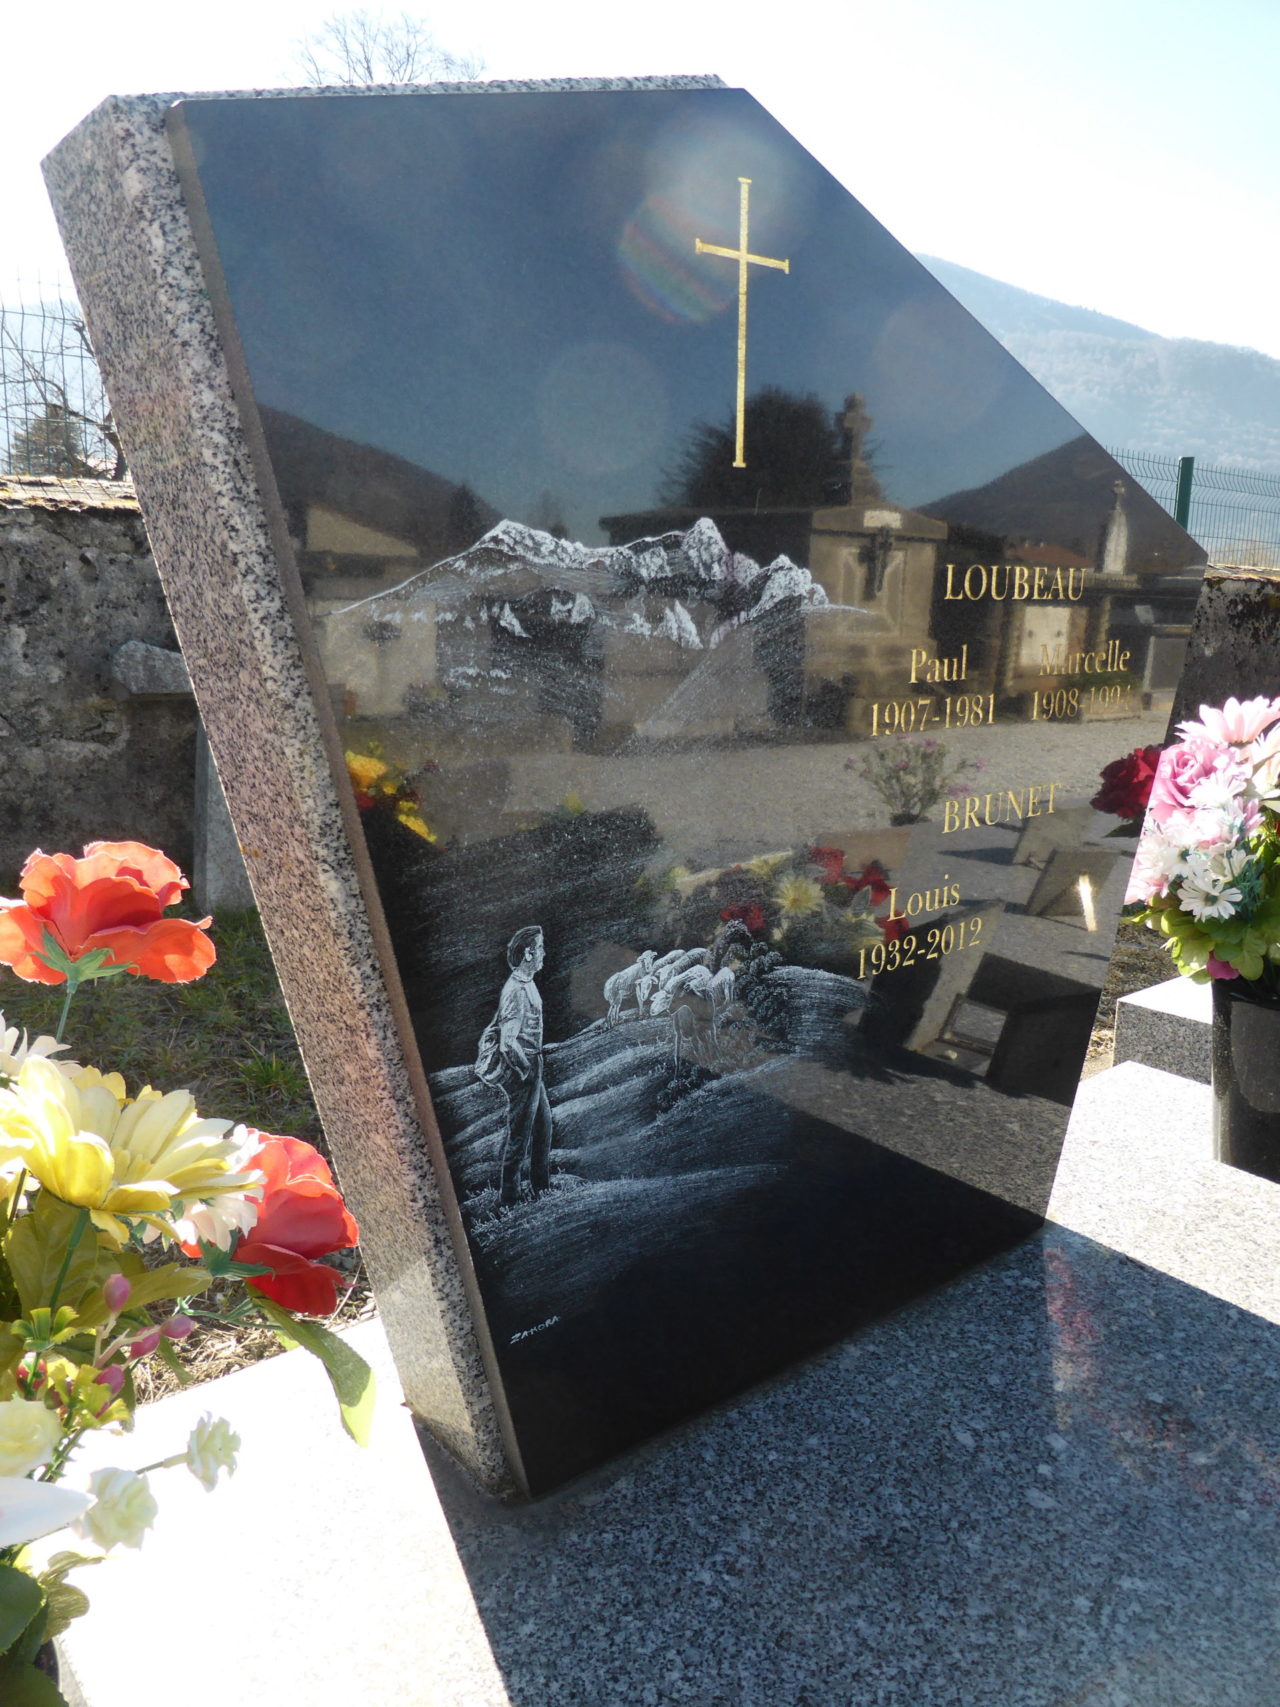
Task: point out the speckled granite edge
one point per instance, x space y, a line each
133 258
1169 1026
146 106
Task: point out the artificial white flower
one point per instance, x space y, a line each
123 1509
212 1447
213 1221
1265 756
29 1433
1208 889
15 1048
1206 903
29 1509
1158 862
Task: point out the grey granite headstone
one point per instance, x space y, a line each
660 738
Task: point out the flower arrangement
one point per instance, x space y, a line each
381 786
1125 788
1207 871
910 775
117 1213
803 902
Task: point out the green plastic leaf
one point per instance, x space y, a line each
64 1601
147 1286
35 1247
173 1363
24 1686
56 1570
21 1600
351 1376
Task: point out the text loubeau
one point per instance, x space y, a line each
1016 581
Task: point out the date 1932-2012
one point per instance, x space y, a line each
929 943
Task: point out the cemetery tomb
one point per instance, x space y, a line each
717 639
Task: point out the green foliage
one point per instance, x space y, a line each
21 1600
226 1037
24 1627
63 1600
52 442
37 1245
797 458
146 1285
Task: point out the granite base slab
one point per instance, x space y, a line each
1168 1026
1055 1484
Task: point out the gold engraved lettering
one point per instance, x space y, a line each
932 943
1110 660
1000 806
744 259
923 901
925 668
1015 581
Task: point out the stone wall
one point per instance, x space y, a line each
84 755
1235 640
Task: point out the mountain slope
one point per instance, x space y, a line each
1129 387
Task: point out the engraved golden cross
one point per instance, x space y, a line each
744 259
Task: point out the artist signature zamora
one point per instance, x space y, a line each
528 1333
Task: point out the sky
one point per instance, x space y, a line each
1121 155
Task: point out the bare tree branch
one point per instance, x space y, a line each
355 49
54 416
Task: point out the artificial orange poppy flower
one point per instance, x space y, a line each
111 899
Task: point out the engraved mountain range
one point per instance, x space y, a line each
685 586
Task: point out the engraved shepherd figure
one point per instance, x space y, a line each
510 1057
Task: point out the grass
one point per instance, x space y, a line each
227 1039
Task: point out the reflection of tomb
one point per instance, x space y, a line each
876 562
1098 555
1067 511
1018 1010
879 557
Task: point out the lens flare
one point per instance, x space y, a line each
656 254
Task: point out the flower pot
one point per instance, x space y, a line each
1246 1079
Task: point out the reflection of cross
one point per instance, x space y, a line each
744 259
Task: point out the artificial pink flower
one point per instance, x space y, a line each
1220 968
1180 771
1234 723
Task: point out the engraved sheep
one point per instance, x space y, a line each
626 985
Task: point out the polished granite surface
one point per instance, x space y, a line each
1054 1484
720 697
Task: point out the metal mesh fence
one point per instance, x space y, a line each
1235 512
54 416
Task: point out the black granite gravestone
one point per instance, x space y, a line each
725 637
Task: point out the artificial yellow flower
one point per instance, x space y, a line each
412 820
363 770
797 896
764 865
88 1144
